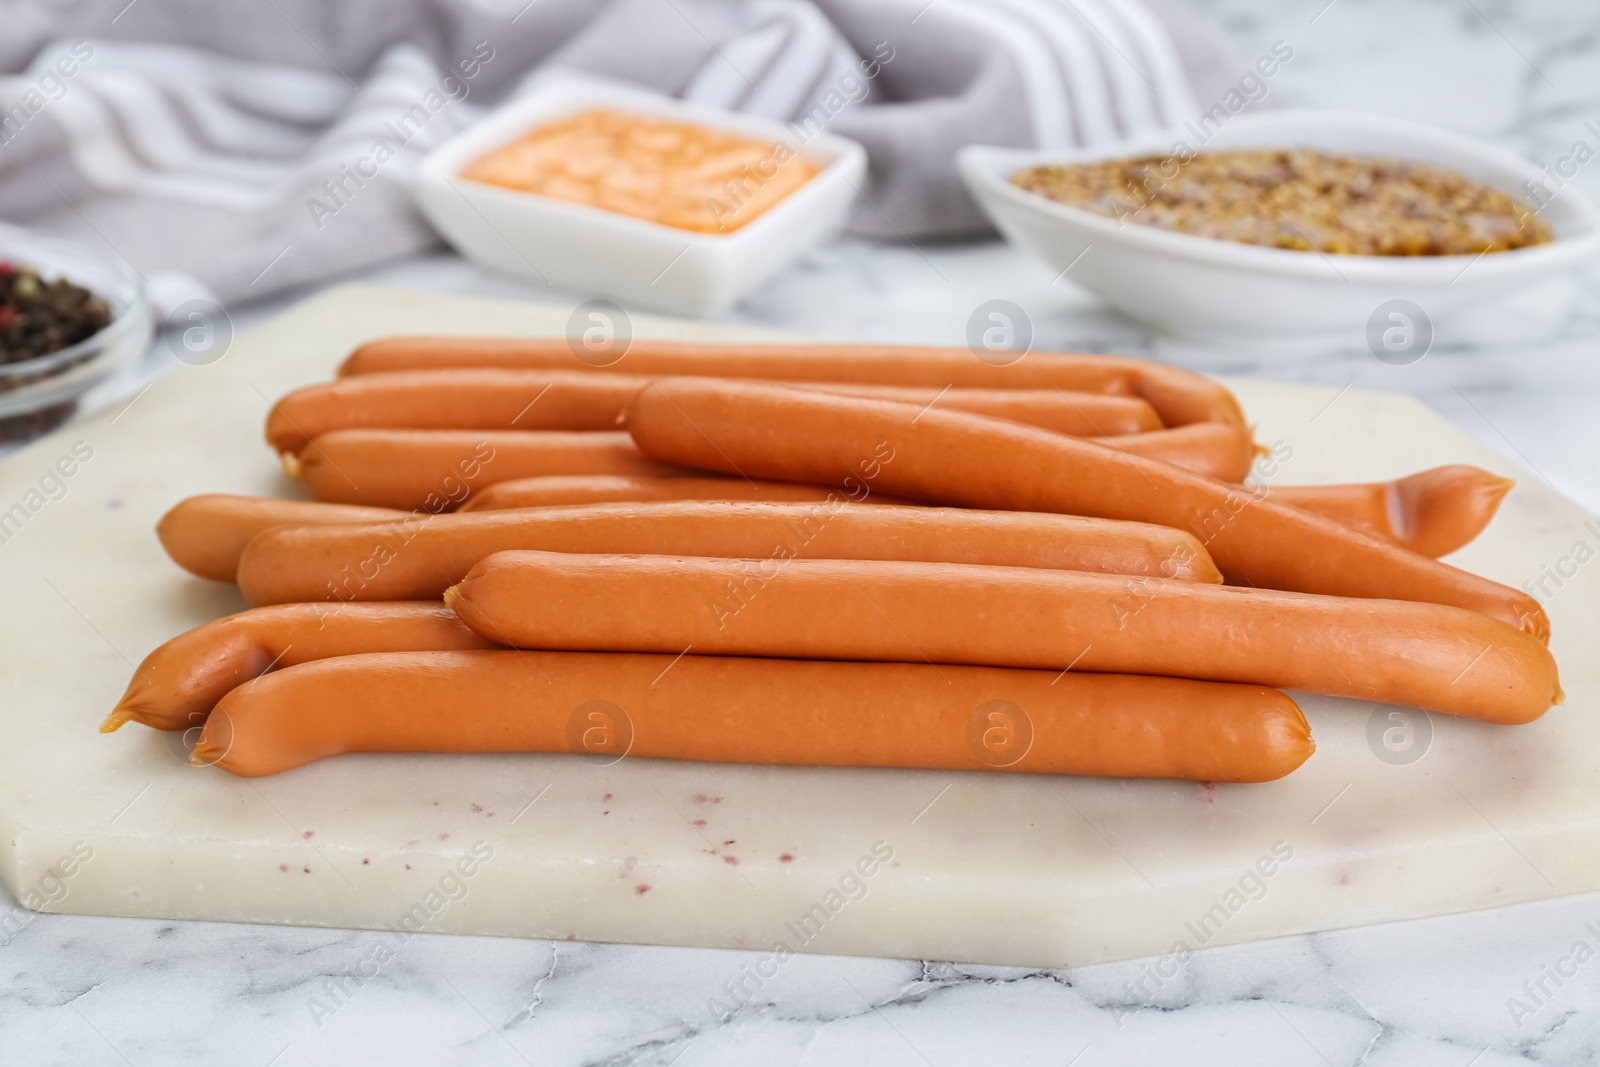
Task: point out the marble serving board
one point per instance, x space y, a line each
1398 815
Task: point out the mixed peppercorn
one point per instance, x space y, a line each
39 317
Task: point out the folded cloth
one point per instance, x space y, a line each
257 146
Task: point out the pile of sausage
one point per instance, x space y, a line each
819 555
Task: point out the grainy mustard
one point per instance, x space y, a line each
1299 199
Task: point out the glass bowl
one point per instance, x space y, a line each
37 395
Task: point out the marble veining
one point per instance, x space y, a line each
1505 986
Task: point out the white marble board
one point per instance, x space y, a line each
987 868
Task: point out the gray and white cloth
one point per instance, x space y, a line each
218 141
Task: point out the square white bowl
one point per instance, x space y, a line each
1223 291
637 263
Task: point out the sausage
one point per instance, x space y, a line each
1423 655
1433 512
946 457
499 399
559 489
476 399
177 684
1076 414
435 470
1178 396
604 706
205 534
418 559
1215 449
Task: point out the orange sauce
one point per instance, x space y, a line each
677 174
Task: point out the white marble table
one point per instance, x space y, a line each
1522 378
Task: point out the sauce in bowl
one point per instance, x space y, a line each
1299 199
677 174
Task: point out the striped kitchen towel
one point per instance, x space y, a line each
243 147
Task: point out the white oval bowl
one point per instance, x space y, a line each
1224 291
633 261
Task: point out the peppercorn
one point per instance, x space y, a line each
39 317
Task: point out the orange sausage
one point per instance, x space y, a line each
1179 397
1215 449
177 684
559 489
1422 655
435 470
1074 414
1433 512
477 399
205 534
763 431
607 706
417 560
499 399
